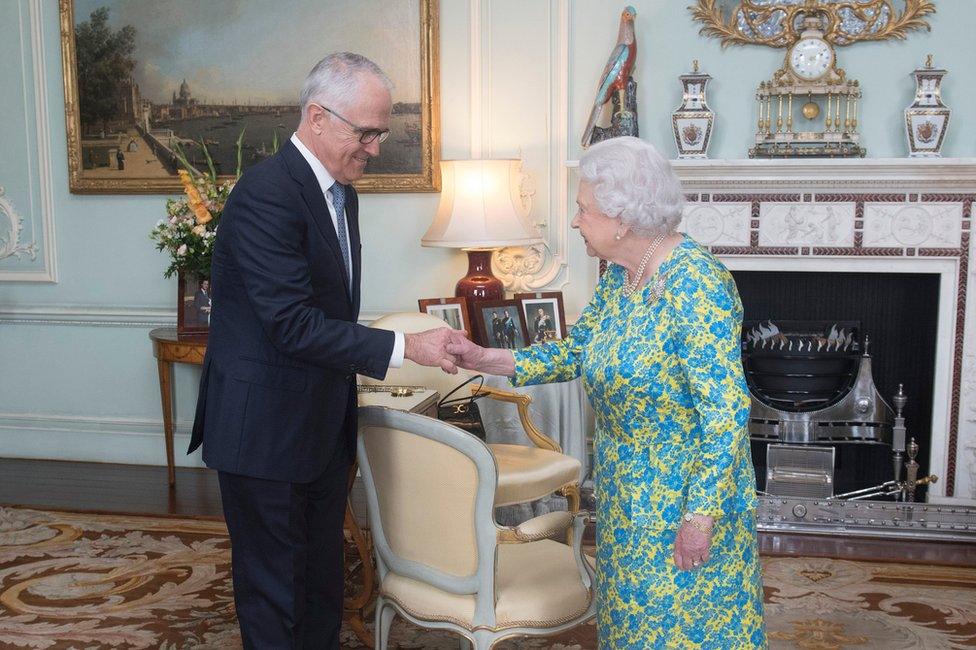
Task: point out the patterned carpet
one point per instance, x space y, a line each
97 581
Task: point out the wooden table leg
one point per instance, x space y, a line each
166 395
358 604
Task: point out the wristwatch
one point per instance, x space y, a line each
689 518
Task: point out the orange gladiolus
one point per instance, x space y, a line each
203 215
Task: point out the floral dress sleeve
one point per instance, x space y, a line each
708 321
561 360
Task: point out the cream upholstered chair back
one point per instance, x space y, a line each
425 481
425 496
442 560
413 374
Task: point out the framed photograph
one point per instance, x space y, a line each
148 80
453 311
544 315
500 324
193 309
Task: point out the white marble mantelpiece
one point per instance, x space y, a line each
930 174
860 215
946 174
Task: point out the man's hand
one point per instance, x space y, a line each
691 544
429 348
467 354
474 357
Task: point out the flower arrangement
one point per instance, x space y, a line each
189 230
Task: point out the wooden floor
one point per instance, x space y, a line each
142 489
105 487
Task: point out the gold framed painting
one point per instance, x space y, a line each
146 81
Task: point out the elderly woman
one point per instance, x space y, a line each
658 350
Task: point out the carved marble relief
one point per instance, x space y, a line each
807 224
717 224
898 224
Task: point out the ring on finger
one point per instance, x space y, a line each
695 562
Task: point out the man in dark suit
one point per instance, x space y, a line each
277 407
201 302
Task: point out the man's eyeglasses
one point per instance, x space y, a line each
365 135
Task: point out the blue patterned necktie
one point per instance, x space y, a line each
339 203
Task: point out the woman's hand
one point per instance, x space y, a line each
474 357
691 546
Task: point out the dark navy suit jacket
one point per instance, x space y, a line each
278 391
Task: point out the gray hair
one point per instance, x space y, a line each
334 80
633 181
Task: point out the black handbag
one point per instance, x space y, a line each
463 412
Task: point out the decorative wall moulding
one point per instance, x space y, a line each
109 316
88 316
27 238
11 230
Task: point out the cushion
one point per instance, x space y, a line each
527 473
537 585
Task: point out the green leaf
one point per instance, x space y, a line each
206 153
240 152
181 156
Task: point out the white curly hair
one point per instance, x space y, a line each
632 181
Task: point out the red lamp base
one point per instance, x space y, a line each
479 283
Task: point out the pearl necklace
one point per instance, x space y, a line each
631 285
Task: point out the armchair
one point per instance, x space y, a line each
442 560
525 473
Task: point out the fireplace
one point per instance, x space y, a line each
808 337
885 244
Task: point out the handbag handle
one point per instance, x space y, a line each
467 398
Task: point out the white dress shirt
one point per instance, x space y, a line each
325 183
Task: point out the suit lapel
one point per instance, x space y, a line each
352 218
315 201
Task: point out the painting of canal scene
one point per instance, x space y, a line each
155 85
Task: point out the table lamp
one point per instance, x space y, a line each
478 212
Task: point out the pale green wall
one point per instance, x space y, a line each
73 389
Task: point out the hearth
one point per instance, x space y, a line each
825 354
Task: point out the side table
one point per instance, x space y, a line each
169 348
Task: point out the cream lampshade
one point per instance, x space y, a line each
479 212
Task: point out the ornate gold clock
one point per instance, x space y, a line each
824 98
808 108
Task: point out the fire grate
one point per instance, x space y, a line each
811 381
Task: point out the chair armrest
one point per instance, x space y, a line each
537 528
550 524
538 438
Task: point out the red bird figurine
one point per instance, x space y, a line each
618 70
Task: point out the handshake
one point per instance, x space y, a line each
450 349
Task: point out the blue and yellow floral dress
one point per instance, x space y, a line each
662 368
